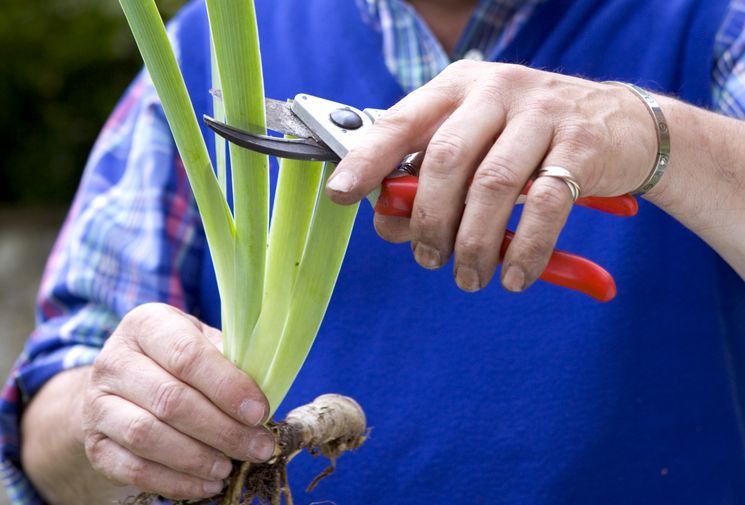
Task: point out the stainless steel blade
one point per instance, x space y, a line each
281 119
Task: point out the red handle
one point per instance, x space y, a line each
397 196
623 206
397 199
564 269
568 270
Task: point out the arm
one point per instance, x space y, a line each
705 186
487 127
53 453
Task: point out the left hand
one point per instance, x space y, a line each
486 128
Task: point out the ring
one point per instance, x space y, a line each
562 174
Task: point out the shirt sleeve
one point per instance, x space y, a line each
132 236
729 68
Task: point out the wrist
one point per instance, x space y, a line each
704 184
667 191
53 453
77 409
660 139
699 146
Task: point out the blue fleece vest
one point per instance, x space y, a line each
545 397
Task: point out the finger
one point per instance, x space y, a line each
143 434
121 466
544 215
182 407
496 186
405 128
181 347
392 229
449 162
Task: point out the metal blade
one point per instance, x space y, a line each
296 149
281 119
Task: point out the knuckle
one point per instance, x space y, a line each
392 122
470 249
236 388
110 366
140 321
136 473
424 222
199 465
444 150
231 438
547 199
543 106
94 412
511 72
106 365
142 314
186 353
579 135
169 397
225 384
532 249
95 450
496 175
460 67
362 156
185 489
492 90
138 432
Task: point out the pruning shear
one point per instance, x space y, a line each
324 130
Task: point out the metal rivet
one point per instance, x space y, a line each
346 119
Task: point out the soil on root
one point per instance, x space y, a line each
267 483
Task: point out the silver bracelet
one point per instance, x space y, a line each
663 136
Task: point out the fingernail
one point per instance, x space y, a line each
467 279
341 182
221 469
261 447
426 256
212 488
514 279
252 412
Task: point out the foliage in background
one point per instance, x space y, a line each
64 65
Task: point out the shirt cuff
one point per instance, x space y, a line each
25 381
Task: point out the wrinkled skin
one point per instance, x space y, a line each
164 409
486 128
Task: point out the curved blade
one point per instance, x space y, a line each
306 149
280 118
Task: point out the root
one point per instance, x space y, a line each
330 426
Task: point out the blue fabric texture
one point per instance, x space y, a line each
546 397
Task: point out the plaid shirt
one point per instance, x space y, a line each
133 234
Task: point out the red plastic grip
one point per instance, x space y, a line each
397 196
397 199
574 272
623 206
564 269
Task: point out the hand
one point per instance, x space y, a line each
164 407
486 128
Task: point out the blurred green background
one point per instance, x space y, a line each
64 64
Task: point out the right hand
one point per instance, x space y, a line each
164 409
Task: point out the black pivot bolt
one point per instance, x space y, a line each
346 119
